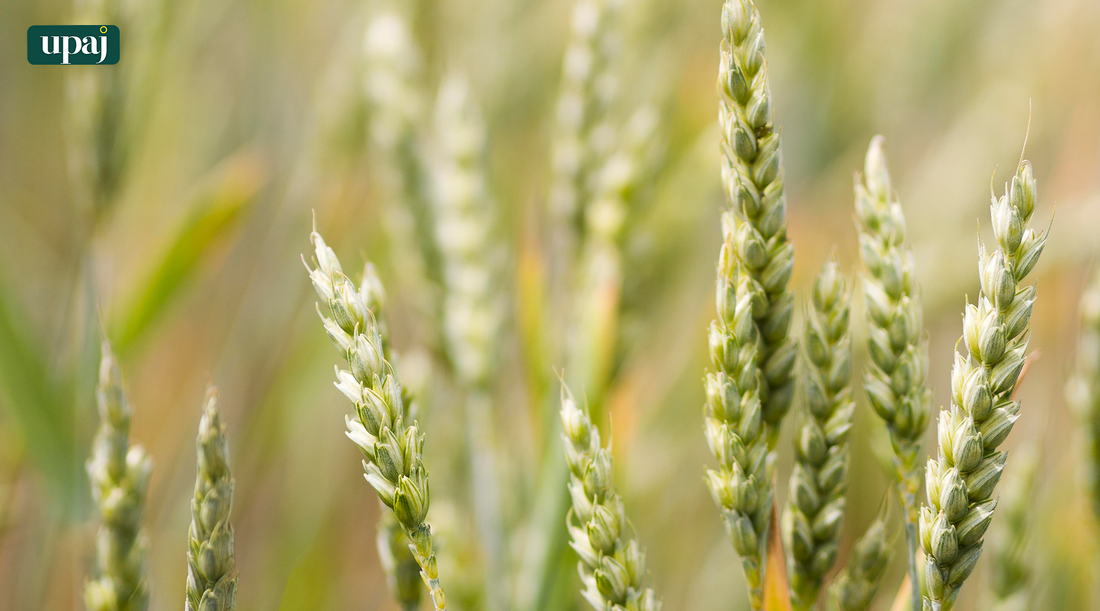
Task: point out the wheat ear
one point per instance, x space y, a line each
474 304
1083 389
395 102
895 383
1011 553
855 587
815 504
211 569
734 427
995 333
392 449
612 564
752 174
119 474
583 139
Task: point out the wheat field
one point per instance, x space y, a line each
523 196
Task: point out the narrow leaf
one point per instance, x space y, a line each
901 601
32 402
218 204
777 595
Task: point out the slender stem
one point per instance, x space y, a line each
911 551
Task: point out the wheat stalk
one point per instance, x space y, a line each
752 174
119 475
392 449
734 427
612 564
211 569
815 504
1083 389
895 383
855 587
995 333
1010 554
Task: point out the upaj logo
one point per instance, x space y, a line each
65 45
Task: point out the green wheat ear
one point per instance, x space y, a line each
854 589
815 505
211 568
612 564
995 335
392 448
119 474
895 382
752 174
1083 389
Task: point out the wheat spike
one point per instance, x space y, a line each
612 564
961 481
211 569
895 383
392 449
119 474
815 505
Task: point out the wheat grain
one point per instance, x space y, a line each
855 587
211 569
895 382
119 475
392 449
752 174
734 427
1083 388
995 333
815 505
612 564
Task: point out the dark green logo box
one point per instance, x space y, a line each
72 45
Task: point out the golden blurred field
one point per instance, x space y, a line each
245 120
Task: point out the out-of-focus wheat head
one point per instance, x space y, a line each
119 474
1012 555
584 136
995 334
855 587
1083 389
211 567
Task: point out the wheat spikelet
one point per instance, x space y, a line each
612 564
211 569
995 333
734 426
815 505
752 174
392 449
119 474
895 382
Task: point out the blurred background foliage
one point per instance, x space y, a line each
242 118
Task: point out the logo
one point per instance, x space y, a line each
79 45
